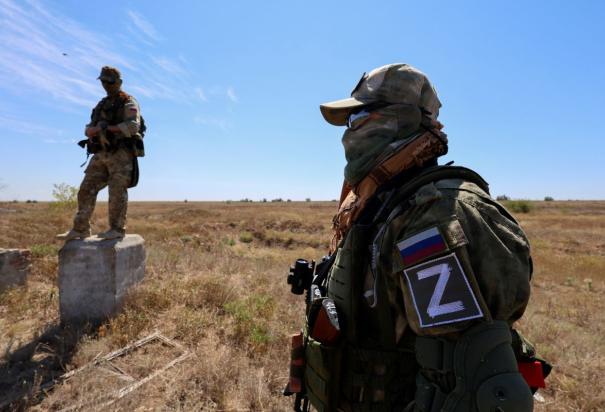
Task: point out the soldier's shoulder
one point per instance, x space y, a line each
101 102
460 199
449 197
442 185
127 97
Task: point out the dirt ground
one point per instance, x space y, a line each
215 283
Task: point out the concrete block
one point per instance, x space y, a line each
96 274
15 265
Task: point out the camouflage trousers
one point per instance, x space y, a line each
105 169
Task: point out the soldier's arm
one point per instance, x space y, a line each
132 119
484 240
464 271
91 129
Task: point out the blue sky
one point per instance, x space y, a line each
231 90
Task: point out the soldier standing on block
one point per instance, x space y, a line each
115 138
413 309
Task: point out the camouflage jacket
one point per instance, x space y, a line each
428 260
455 222
122 111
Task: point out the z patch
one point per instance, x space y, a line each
441 292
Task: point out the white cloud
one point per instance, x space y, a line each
46 54
144 26
168 65
231 94
18 125
200 93
59 141
38 53
219 123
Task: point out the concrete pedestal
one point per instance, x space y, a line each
14 267
96 274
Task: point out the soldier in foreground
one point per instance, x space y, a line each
413 309
115 138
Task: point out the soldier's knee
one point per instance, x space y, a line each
89 188
119 183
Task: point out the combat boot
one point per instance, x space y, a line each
112 234
73 234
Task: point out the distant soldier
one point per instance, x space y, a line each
115 138
413 310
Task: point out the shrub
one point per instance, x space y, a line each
66 196
245 237
548 199
251 316
519 206
43 250
228 241
308 199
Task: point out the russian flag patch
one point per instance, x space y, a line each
421 246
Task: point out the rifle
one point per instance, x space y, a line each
98 143
321 319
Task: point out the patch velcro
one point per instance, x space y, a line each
421 246
441 292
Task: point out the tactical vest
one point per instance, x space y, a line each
368 372
112 111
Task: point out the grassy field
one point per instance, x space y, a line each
215 283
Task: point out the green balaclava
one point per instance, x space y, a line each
390 102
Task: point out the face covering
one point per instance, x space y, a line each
369 141
112 89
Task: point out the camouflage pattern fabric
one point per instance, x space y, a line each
111 168
417 150
492 249
105 169
109 73
397 83
127 118
488 269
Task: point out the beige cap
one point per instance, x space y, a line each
397 83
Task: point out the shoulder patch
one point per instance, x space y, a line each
441 292
421 246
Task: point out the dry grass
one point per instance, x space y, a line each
216 283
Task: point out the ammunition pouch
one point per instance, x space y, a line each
134 177
135 144
365 380
322 374
377 380
476 373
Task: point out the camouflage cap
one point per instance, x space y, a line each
397 83
109 73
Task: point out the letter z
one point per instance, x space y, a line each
435 307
